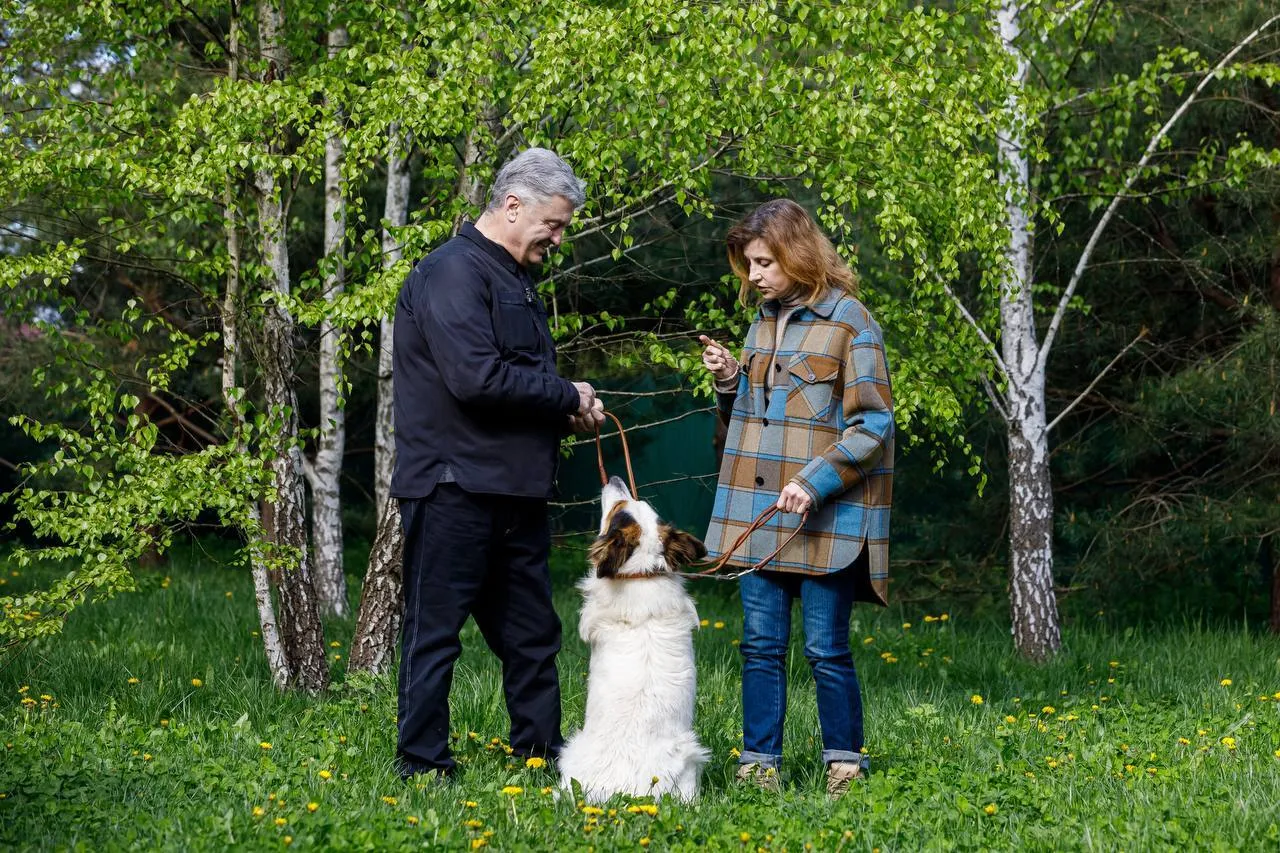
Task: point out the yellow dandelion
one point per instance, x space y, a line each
471 804
1048 709
906 626
866 641
931 618
1229 742
477 843
1010 718
473 823
391 801
146 756
534 762
265 745
1113 664
280 821
744 837
288 839
1151 771
718 625
1277 753
734 752
592 810
705 622
259 811
975 699
545 790
512 790
644 808
644 842
990 808
325 775
944 617
195 682
335 645
311 807
1226 682
133 681
413 821
164 724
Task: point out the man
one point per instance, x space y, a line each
479 411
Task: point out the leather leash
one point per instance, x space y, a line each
713 567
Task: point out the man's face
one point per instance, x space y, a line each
538 227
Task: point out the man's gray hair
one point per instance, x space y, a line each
535 176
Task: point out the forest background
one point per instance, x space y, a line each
1064 214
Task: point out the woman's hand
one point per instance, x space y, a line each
793 499
718 360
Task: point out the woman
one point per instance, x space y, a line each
810 428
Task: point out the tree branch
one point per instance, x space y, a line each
1152 146
1053 423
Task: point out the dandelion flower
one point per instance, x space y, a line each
644 808
744 837
1010 718
866 641
734 752
718 625
644 842
1184 741
906 626
335 645
265 745
512 790
473 823
1048 709
1226 682
592 810
975 699
705 622
288 839
259 811
280 821
990 808
311 807
391 801
931 618
146 756
477 843
164 724
413 821
1229 742
325 775
195 682
534 762
944 617
133 681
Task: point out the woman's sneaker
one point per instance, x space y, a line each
840 774
764 778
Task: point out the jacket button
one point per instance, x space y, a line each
777 367
766 421
810 377
759 481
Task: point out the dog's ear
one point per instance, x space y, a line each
612 548
680 548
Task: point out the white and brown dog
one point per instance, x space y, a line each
638 735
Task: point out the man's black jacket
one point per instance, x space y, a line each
476 388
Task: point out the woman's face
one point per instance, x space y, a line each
764 272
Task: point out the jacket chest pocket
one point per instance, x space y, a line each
518 322
813 388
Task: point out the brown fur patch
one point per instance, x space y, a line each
612 548
679 547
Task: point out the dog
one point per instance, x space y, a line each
638 736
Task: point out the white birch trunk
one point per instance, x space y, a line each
285 519
231 393
326 507
1032 600
378 622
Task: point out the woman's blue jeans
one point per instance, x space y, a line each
825 604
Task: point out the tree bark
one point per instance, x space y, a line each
231 392
378 622
1032 601
381 599
301 634
326 507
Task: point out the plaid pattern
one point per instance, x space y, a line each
827 426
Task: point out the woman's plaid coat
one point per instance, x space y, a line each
827 426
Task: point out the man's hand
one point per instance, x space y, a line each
793 499
586 398
718 360
589 420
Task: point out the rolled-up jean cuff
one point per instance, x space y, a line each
760 758
830 755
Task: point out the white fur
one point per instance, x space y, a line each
638 736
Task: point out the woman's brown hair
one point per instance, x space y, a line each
804 253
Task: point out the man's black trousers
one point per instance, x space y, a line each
483 556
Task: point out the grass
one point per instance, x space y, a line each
1133 738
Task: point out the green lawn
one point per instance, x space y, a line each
1132 739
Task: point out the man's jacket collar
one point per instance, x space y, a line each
494 250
